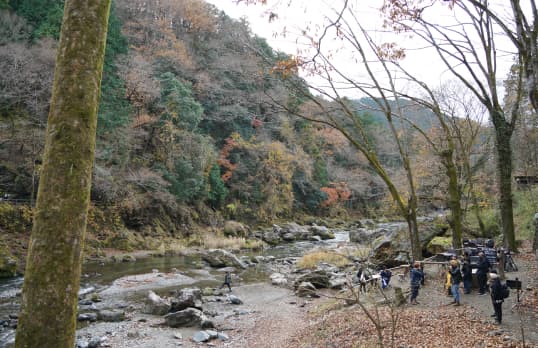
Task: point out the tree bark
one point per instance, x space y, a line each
503 134
535 242
52 277
454 199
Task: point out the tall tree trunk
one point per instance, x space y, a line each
51 283
535 242
411 218
454 199
503 134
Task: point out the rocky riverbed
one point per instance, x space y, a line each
114 298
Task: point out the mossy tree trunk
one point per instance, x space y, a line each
454 198
51 284
503 134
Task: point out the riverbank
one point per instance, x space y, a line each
268 317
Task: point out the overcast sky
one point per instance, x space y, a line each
423 62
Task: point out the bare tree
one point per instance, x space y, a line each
468 49
52 276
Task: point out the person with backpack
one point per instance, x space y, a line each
498 293
385 277
455 280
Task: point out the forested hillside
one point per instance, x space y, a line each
191 128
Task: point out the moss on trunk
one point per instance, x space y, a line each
50 292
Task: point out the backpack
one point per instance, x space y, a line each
505 291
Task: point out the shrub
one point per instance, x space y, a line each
525 207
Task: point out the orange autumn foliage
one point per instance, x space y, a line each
336 192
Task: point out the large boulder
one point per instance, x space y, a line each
235 229
318 278
278 279
367 236
222 258
299 232
321 231
189 297
306 289
190 317
271 237
156 305
438 245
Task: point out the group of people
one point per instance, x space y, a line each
364 278
486 276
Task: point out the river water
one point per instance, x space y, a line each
101 275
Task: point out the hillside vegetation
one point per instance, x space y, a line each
190 133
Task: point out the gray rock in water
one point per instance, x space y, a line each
299 232
222 258
321 231
156 305
186 318
86 291
271 237
234 300
111 315
315 239
289 237
201 336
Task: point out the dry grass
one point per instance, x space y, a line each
230 243
312 259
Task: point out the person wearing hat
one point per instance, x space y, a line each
497 297
455 280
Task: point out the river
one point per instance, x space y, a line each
99 276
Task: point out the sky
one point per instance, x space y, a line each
422 61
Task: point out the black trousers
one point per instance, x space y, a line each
482 282
227 284
498 308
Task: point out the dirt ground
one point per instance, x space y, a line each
274 317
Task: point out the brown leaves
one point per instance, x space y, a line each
417 327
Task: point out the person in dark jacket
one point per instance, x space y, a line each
385 277
455 279
416 276
497 297
227 281
467 273
482 273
